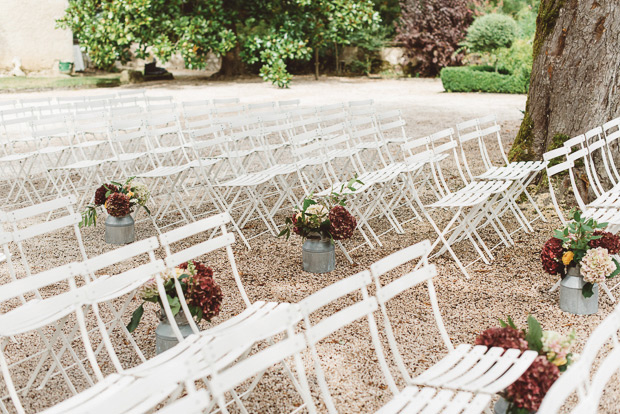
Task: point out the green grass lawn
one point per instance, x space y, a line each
75 82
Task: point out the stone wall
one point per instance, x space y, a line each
27 31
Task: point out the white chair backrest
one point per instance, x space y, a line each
19 288
209 225
288 104
225 101
226 376
363 308
24 225
557 163
423 272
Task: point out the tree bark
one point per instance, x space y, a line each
316 63
575 79
232 65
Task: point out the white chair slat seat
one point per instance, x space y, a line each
478 370
475 369
472 194
431 401
80 165
164 171
250 179
19 156
204 162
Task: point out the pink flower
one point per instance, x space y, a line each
596 265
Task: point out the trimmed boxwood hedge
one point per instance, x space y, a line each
481 79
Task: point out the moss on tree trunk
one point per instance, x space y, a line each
575 75
522 148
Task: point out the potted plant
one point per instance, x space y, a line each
118 200
321 221
202 294
525 395
581 254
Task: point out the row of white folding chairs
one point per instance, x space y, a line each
95 164
397 124
33 315
509 180
211 359
389 174
265 176
478 199
26 125
49 101
462 382
594 151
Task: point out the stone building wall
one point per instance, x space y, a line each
27 31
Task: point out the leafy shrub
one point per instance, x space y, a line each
517 59
431 31
510 7
369 42
481 79
526 22
490 32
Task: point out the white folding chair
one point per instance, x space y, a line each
361 309
588 378
34 316
474 369
228 375
481 132
27 227
411 399
212 359
560 162
472 207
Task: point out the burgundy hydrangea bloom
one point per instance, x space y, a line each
529 390
609 241
101 192
204 293
342 223
506 337
551 256
296 229
117 205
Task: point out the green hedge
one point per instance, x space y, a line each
482 79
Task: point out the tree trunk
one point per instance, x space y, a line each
316 63
232 65
337 59
574 81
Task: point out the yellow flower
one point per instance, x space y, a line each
558 362
567 258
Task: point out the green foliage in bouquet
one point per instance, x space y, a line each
118 199
326 217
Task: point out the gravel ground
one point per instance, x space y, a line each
514 284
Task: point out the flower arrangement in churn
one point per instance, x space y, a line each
117 199
582 242
526 394
202 294
324 217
